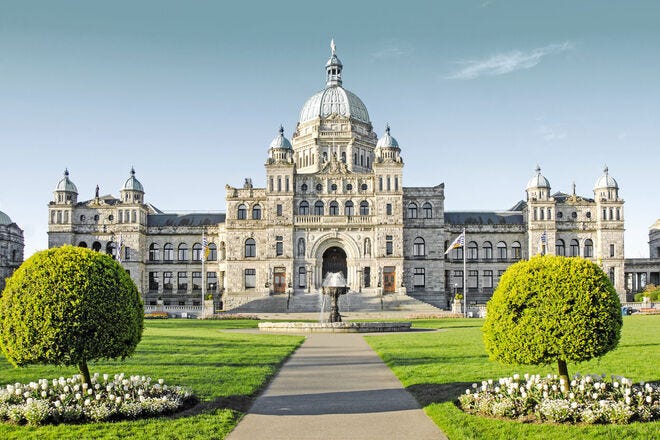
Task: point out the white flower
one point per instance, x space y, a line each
474 385
29 400
78 396
105 377
516 376
595 396
615 384
87 402
57 404
649 399
571 395
44 394
161 381
574 405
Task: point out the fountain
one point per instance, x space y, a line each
334 285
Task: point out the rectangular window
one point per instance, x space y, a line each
196 281
488 279
396 184
366 273
278 209
388 209
279 245
389 247
250 278
211 281
167 281
458 280
458 253
472 253
473 279
389 186
154 281
286 184
270 184
302 277
612 250
419 279
380 184
182 281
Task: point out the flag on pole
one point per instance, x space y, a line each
205 248
544 238
459 242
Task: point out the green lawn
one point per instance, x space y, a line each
225 370
437 366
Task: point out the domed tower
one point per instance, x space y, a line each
387 148
132 191
280 149
609 245
540 215
606 187
65 192
11 247
334 122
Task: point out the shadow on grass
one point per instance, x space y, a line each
428 393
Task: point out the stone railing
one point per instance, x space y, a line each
334 219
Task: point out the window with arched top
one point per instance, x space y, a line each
111 248
212 252
318 208
256 212
241 213
96 246
82 244
419 247
154 252
197 252
412 210
560 248
588 248
182 254
516 250
364 207
501 251
575 248
168 252
472 250
250 248
303 208
488 250
427 209
348 208
333 209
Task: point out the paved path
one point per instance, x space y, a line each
335 387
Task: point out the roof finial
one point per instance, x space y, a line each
606 169
66 172
132 171
538 169
574 187
281 130
333 47
387 128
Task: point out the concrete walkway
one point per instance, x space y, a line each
335 387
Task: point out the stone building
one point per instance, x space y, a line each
335 200
11 248
641 272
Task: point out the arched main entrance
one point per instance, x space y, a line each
334 260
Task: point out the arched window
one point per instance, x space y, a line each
197 252
212 252
575 248
242 212
472 250
111 248
301 247
168 252
82 244
419 247
303 208
334 208
96 246
412 210
488 250
154 252
364 207
501 251
318 208
516 250
256 212
428 210
348 208
588 248
560 248
250 248
183 252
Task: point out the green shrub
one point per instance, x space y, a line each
552 309
68 306
651 291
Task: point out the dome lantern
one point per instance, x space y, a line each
132 191
66 191
538 187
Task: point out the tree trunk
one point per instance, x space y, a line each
82 366
563 374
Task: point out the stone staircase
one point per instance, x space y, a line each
351 302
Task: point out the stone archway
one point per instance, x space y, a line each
334 260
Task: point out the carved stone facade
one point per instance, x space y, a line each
335 200
640 272
11 248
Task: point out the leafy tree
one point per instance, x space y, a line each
552 309
68 306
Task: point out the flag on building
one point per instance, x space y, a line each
459 242
205 248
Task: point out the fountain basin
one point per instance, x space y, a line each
334 327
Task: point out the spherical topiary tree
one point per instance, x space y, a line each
68 306
552 309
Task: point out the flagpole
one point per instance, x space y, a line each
464 275
203 271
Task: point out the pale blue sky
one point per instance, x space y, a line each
191 94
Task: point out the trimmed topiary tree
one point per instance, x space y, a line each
552 309
69 306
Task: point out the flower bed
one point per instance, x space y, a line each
590 399
231 316
70 400
156 315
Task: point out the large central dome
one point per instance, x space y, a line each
334 99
